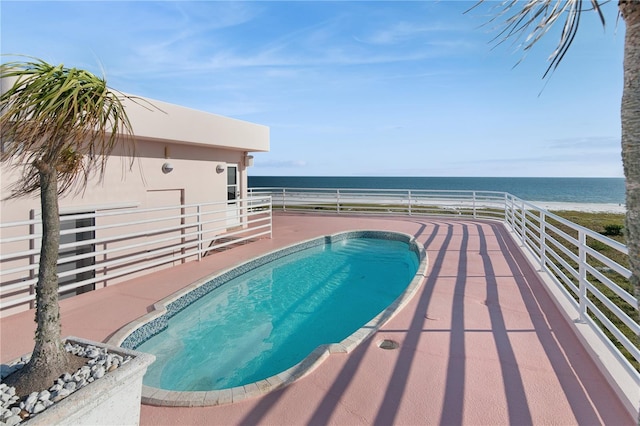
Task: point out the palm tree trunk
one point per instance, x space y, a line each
49 359
630 117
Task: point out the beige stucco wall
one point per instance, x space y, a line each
195 143
194 179
153 119
194 174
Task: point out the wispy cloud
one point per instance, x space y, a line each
280 164
399 32
589 143
192 44
412 84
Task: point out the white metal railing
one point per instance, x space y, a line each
114 244
597 285
484 204
120 242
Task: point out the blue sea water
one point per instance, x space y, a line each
574 190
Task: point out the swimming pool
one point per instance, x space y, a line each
269 321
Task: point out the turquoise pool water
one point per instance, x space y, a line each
271 317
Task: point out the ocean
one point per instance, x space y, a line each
571 190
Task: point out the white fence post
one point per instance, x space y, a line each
474 203
523 228
512 213
507 213
200 229
270 218
338 200
543 240
582 271
284 195
409 202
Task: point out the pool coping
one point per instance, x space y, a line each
188 294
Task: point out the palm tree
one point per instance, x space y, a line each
58 125
532 20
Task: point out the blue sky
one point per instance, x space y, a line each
354 88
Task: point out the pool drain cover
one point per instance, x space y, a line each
388 344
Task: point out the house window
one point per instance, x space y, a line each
233 192
76 251
232 182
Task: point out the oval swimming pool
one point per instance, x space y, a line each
265 323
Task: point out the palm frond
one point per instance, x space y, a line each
526 22
60 118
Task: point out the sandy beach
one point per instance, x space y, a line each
582 207
329 199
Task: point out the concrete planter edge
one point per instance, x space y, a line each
113 399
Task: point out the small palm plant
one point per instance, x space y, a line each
59 126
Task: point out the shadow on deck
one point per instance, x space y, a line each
481 343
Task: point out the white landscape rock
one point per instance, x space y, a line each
13 411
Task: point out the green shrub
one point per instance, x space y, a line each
613 229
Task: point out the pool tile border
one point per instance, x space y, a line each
147 326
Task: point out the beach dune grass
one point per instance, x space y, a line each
382 208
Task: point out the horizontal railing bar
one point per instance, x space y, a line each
188 240
563 263
122 248
633 350
22 285
622 293
134 223
557 244
119 262
116 274
128 211
610 263
564 279
96 241
610 242
568 238
18 301
25 237
615 309
19 223
18 255
174 228
18 269
279 190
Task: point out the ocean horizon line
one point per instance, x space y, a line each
437 177
590 190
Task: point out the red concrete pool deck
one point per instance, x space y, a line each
481 343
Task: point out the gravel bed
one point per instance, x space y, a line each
13 410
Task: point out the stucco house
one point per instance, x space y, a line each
184 157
